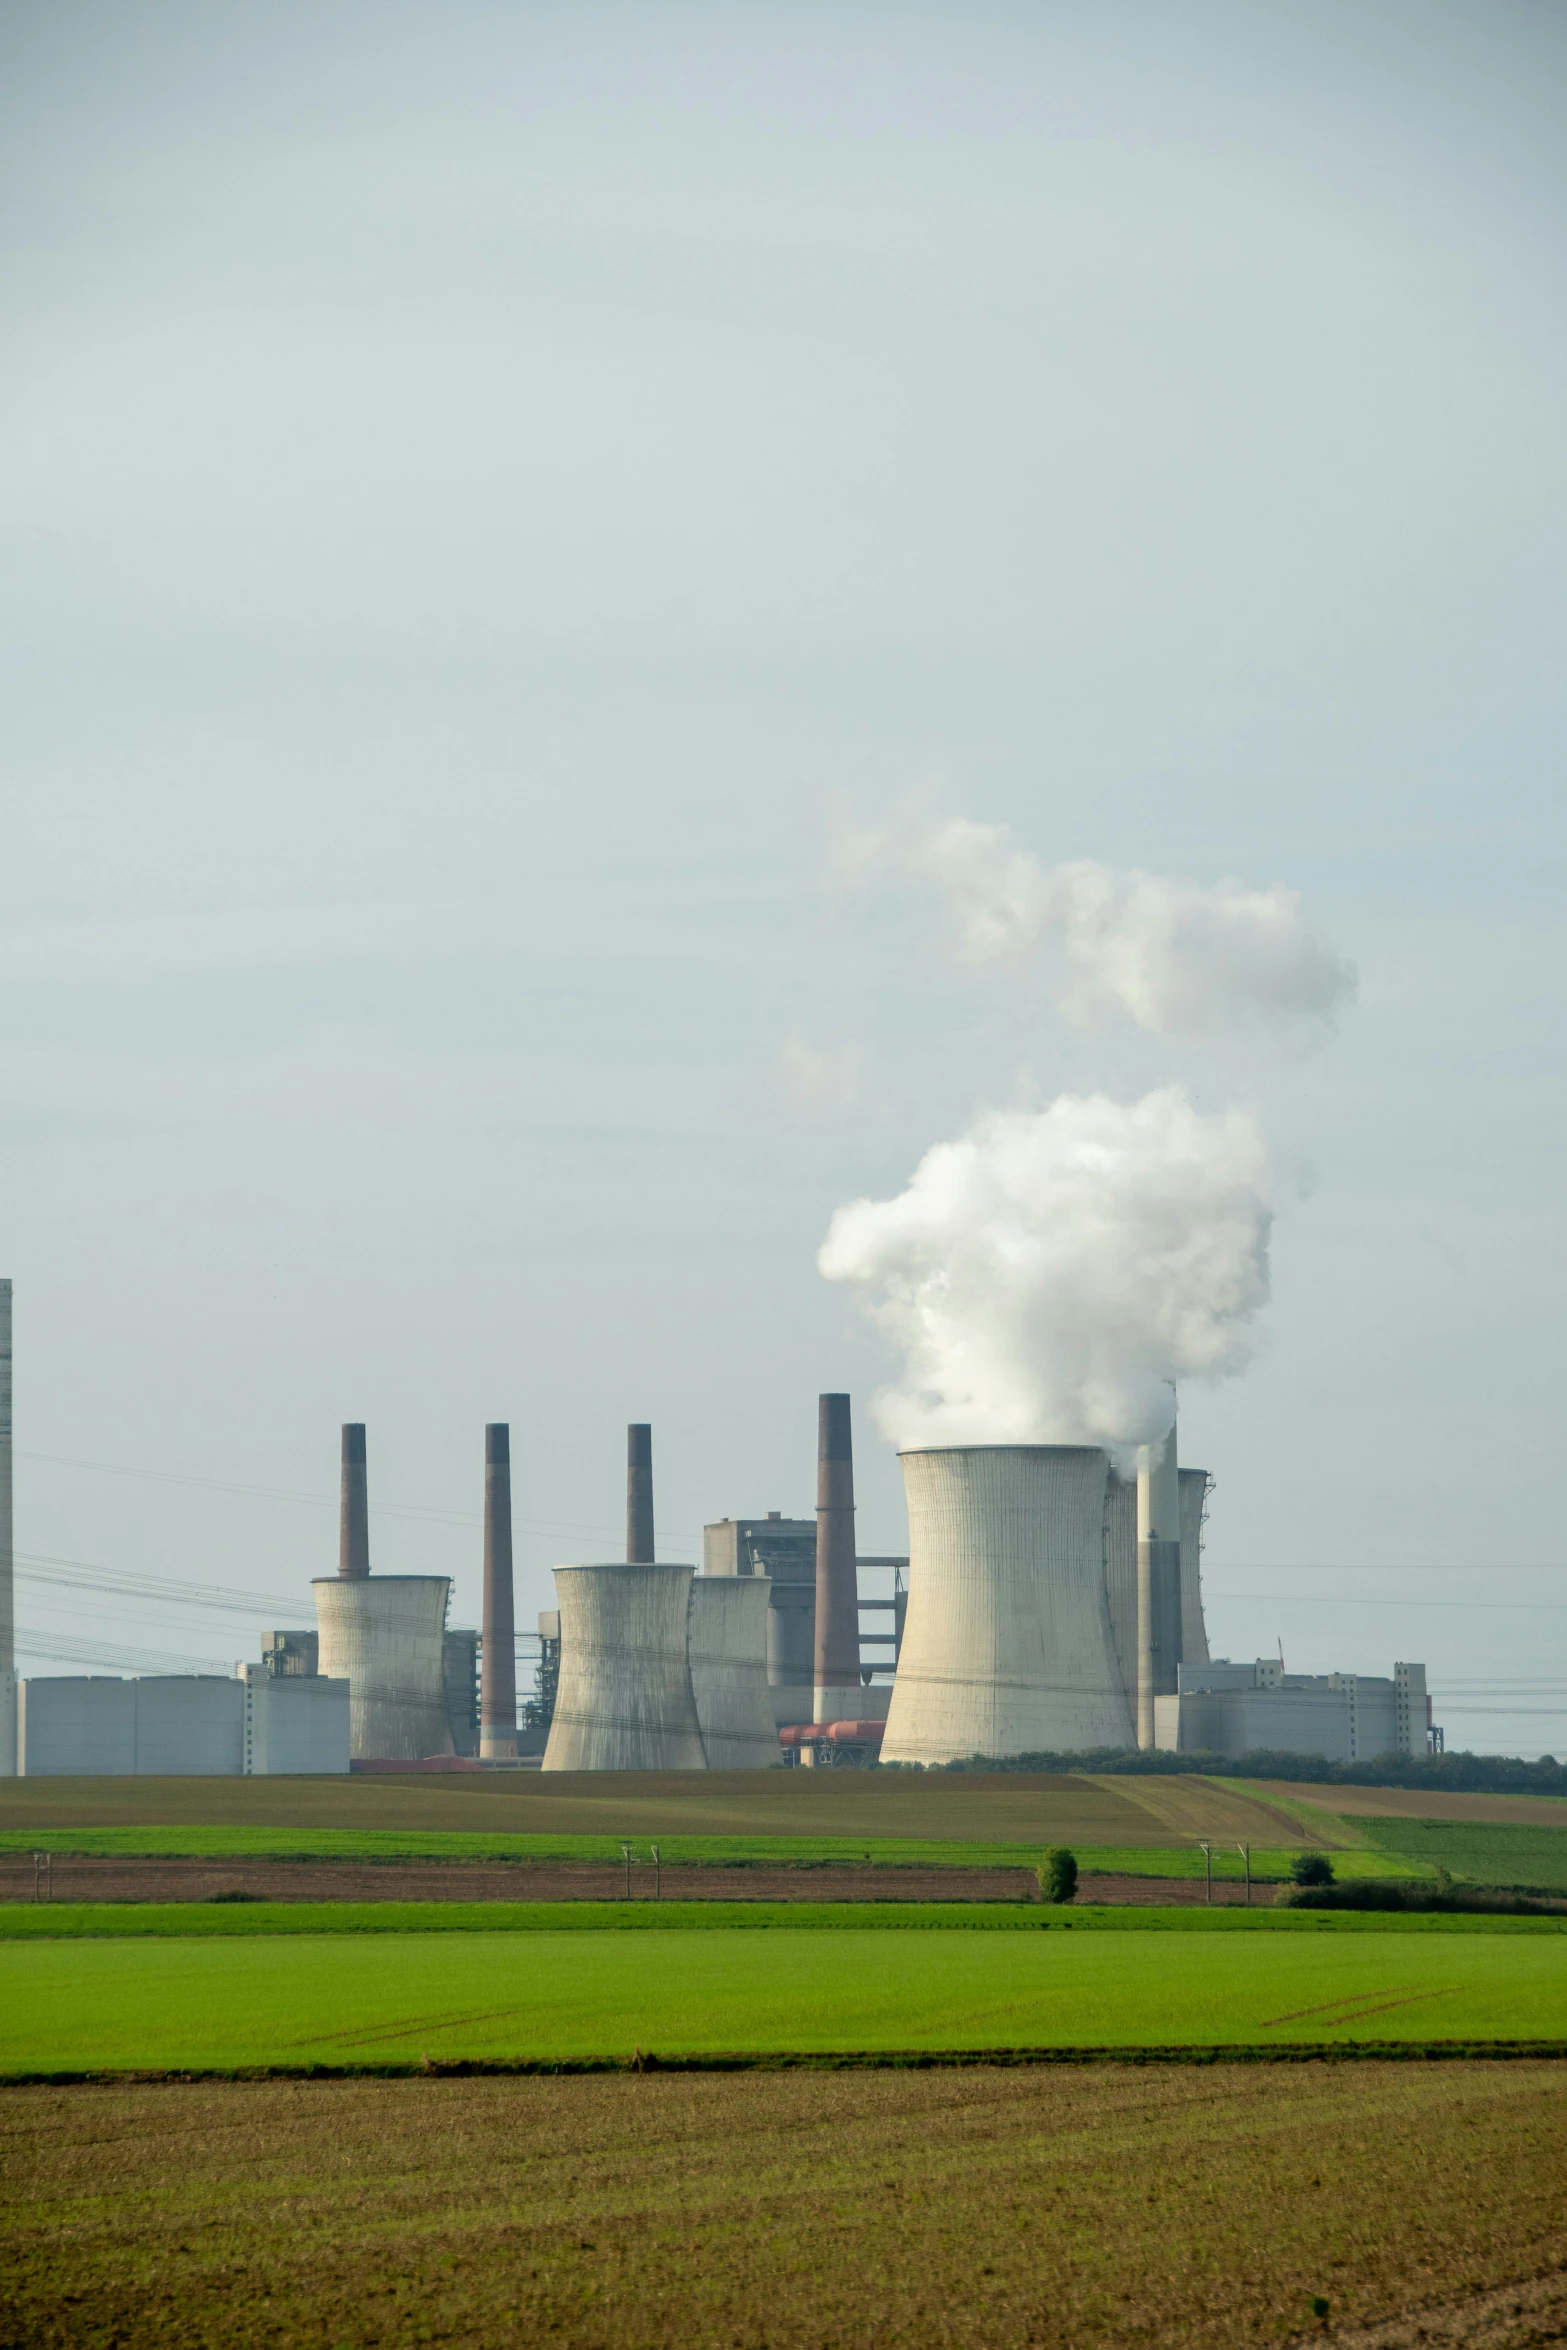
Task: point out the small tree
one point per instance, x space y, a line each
1311 1868
1058 1874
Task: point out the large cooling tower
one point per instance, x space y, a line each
1007 1647
624 1702
1194 1628
384 1635
727 1645
7 1558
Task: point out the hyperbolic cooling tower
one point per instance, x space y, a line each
383 1634
1007 1647
727 1646
623 1701
7 1554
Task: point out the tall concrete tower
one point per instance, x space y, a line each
498 1673
7 1552
837 1681
639 1494
1158 1579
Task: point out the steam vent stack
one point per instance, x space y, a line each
837 1683
1158 1580
624 1700
1007 1646
639 1493
384 1635
7 1552
498 1669
727 1646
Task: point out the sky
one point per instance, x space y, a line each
493 497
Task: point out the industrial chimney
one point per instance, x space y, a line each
1007 1647
837 1679
353 1540
7 1553
1158 1580
498 1672
639 1494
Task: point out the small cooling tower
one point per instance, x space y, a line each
623 1701
385 1636
1007 1647
727 1646
1194 1629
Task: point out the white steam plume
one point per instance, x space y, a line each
1177 957
1048 1274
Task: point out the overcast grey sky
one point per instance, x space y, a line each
489 492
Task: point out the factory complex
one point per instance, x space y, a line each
1048 1604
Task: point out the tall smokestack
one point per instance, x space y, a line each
498 1672
353 1540
7 1555
639 1494
1158 1579
837 1583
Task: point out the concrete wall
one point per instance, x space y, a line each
727 1650
1007 1648
624 1701
295 1723
385 1636
179 1726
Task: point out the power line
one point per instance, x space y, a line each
1338 1599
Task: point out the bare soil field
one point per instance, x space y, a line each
998 1807
1419 1803
1377 2204
91 1877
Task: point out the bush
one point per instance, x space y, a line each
1058 1874
1399 1893
1311 1868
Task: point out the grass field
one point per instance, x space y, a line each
968 2210
1484 1852
119 1921
736 1852
244 1999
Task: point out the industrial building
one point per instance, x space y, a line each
1236 1709
182 1725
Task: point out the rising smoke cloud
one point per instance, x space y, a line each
1177 957
1048 1274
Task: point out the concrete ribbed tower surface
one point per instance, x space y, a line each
727 1648
7 1552
837 1664
1007 1647
624 1700
498 1663
383 1634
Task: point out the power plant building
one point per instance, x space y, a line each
198 1725
1239 1709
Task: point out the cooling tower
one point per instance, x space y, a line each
498 1667
623 1701
1194 1628
385 1635
1007 1647
727 1646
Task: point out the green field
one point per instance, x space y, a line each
234 2000
122 1921
727 1852
1483 1852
